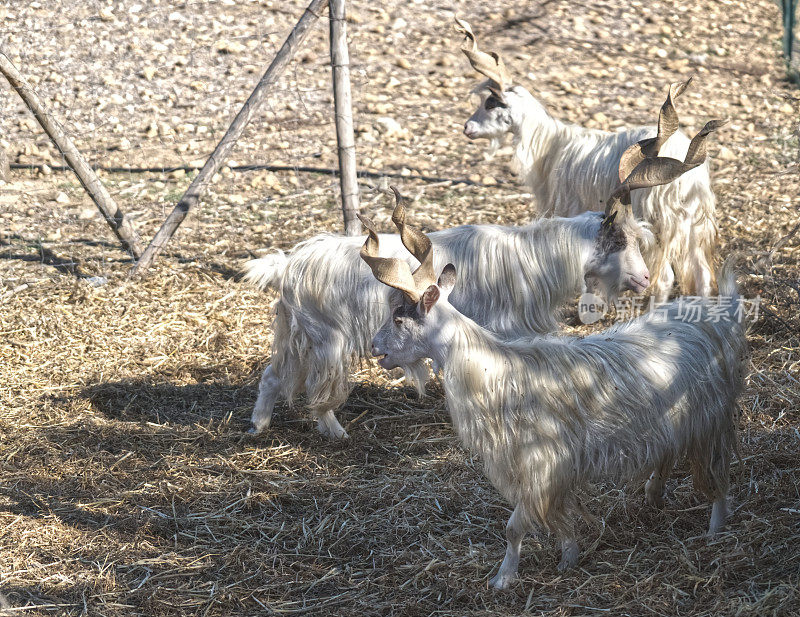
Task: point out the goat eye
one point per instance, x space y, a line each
493 102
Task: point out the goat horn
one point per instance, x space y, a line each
663 169
667 125
417 243
488 64
390 271
463 27
698 146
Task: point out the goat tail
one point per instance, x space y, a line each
266 271
726 278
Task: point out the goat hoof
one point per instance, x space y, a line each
329 426
569 557
655 501
333 435
500 581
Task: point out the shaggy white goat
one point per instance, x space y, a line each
571 169
548 414
330 305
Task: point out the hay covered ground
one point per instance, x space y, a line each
127 483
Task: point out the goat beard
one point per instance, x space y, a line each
609 293
495 143
417 375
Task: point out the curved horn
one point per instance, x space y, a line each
417 243
390 271
488 64
698 146
463 27
667 125
663 169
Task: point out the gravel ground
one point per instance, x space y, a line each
127 484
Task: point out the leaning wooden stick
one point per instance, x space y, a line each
224 147
340 62
119 223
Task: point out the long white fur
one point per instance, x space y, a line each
549 414
330 304
571 169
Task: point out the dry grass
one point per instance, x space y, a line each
128 486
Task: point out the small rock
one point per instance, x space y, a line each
391 129
786 108
403 63
271 181
229 47
399 24
87 214
54 236
96 281
726 154
61 198
699 58
600 118
177 174
149 72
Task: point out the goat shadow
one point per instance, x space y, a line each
223 402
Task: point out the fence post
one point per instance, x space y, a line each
791 39
343 105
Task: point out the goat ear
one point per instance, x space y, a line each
428 299
608 220
499 95
447 279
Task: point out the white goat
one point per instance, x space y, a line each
549 414
330 305
571 169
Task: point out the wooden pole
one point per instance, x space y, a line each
119 223
343 104
224 147
5 168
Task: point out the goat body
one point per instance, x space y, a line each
571 169
550 413
330 304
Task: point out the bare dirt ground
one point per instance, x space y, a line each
127 484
